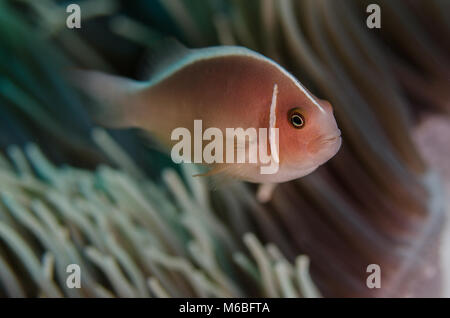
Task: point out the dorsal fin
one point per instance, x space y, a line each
161 56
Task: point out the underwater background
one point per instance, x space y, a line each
138 225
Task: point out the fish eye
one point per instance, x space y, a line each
296 118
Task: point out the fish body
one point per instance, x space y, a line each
224 87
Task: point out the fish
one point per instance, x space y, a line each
223 87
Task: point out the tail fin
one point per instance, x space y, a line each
115 97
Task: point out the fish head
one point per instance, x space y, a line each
308 133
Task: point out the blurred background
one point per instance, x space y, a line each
139 226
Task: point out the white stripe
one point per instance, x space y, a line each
221 51
272 125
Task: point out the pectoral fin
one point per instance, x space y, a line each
265 192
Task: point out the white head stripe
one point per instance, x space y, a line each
272 124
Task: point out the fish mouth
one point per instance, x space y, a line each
332 138
324 148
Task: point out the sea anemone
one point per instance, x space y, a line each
129 236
